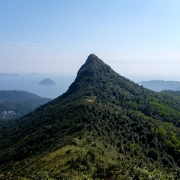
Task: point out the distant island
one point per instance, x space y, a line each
47 81
160 85
36 74
6 74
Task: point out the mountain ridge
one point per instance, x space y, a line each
103 123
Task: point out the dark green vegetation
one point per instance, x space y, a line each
103 127
47 81
21 102
174 93
160 85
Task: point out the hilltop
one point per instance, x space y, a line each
104 126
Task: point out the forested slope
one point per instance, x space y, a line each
104 126
21 102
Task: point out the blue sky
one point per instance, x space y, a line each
137 38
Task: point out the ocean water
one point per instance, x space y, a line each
29 83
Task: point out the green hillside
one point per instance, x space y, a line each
104 127
174 93
14 104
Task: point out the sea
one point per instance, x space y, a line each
30 84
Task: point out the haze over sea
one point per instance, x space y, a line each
30 83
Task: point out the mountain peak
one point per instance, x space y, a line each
89 73
92 60
92 57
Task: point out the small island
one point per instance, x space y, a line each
47 81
